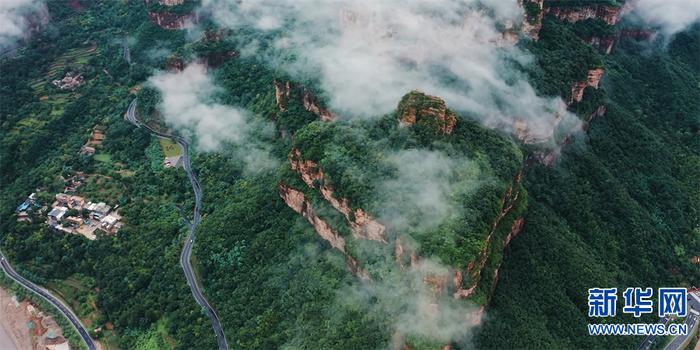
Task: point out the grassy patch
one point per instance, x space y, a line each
169 148
156 338
103 157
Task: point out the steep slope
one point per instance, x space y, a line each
620 207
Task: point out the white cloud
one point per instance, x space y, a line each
189 105
14 19
421 193
367 54
671 15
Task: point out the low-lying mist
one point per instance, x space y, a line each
367 54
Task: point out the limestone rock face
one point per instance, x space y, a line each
532 22
362 224
419 108
310 104
171 21
572 14
593 80
282 92
602 44
296 201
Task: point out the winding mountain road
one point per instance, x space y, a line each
46 295
196 218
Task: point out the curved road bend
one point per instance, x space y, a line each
196 218
46 295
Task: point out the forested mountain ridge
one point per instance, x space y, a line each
425 202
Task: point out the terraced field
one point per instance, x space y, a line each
77 57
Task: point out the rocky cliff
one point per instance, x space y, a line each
603 44
532 22
282 92
361 224
172 21
311 105
474 269
296 201
417 108
572 14
592 80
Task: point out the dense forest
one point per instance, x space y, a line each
618 208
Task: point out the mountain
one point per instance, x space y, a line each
441 175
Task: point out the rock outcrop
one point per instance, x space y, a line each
528 135
361 224
593 79
421 109
174 64
296 201
603 44
532 21
599 112
514 230
171 21
572 14
509 200
310 104
282 92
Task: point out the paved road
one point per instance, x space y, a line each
46 295
649 340
691 320
196 218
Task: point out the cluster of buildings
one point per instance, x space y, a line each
70 81
71 214
28 206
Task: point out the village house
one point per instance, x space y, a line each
72 202
172 162
56 215
99 216
98 210
29 204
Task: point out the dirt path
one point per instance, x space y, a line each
14 333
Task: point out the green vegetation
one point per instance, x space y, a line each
617 209
169 148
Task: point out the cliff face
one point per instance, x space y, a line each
310 104
282 94
593 79
419 108
532 22
608 14
171 21
514 230
296 201
174 64
602 44
474 269
361 224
